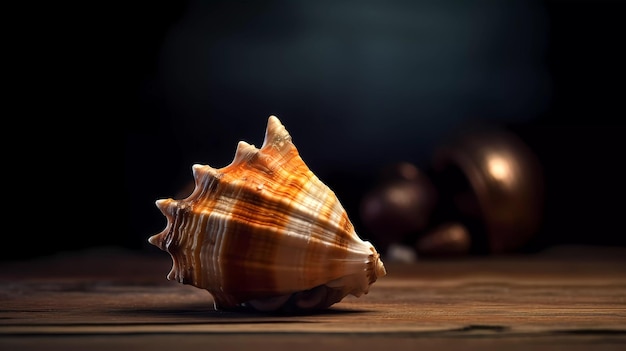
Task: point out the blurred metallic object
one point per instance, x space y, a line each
504 184
483 194
399 205
400 253
446 239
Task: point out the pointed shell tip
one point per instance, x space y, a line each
153 240
276 134
244 152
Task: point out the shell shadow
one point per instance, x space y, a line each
237 315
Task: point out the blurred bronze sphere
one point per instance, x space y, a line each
399 205
504 184
447 239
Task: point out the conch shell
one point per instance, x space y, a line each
264 232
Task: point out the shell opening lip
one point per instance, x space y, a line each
379 269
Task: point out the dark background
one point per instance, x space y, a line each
114 104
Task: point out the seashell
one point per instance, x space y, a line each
265 233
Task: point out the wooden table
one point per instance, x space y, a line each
111 299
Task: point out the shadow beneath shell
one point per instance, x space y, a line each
235 315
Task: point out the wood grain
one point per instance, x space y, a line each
559 299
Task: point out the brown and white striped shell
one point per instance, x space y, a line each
265 232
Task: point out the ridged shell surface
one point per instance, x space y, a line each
264 229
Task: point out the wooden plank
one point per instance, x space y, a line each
125 295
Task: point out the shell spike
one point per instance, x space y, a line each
244 153
156 241
202 170
205 177
203 173
276 135
167 207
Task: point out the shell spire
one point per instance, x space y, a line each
276 136
265 232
